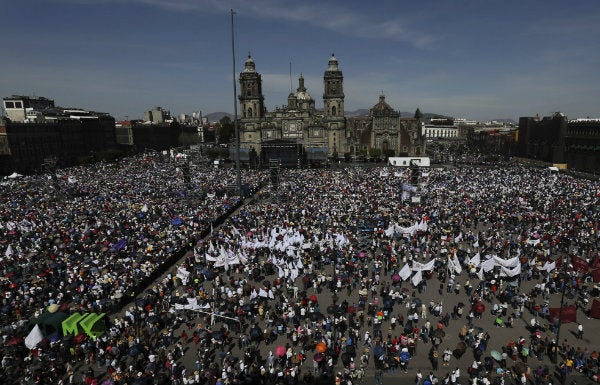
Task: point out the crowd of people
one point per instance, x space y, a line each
85 237
320 278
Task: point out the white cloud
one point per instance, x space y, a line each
330 16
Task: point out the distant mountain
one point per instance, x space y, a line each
216 116
359 112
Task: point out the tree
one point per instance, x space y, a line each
225 130
418 114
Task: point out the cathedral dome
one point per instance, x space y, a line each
382 107
301 92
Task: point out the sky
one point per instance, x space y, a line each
474 59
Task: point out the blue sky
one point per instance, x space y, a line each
475 59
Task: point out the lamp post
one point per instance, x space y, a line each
238 178
562 297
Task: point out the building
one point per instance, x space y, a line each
542 139
35 130
299 132
20 108
158 115
555 139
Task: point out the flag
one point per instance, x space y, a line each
119 245
417 278
475 260
34 337
480 273
405 272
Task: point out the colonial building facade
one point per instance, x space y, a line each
298 131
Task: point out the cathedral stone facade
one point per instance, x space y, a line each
298 132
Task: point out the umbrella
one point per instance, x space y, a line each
53 337
351 310
479 308
319 357
313 298
321 347
280 350
135 350
79 338
14 341
255 333
496 355
333 309
388 303
404 356
396 278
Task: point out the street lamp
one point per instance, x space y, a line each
562 297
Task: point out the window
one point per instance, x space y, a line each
9 104
249 112
333 111
18 105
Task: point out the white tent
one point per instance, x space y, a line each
14 175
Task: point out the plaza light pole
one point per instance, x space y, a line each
238 178
562 299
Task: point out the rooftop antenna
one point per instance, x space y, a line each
291 76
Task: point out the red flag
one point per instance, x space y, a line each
580 264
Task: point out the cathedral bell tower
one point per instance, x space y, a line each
252 104
333 95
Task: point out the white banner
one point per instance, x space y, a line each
417 278
418 266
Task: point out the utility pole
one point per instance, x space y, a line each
238 178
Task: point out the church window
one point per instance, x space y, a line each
249 92
249 112
333 111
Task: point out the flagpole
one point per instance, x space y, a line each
238 178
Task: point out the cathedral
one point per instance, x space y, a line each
300 133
